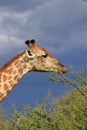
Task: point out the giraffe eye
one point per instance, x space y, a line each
44 56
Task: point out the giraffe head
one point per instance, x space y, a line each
42 60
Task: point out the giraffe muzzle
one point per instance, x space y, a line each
64 70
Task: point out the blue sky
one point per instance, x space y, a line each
58 25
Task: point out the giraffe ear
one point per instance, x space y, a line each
30 54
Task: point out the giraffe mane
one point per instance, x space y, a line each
11 61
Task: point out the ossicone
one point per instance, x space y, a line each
27 42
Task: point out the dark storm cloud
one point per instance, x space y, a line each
59 25
20 5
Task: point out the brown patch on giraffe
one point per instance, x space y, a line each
31 64
10 81
24 66
9 77
1 75
5 71
16 62
10 70
14 72
12 84
17 66
6 86
16 77
5 78
0 85
8 90
20 71
1 94
0 80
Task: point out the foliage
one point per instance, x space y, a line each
4 124
66 113
75 79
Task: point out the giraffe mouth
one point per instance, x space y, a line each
60 71
57 70
63 71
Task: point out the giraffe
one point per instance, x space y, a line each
33 58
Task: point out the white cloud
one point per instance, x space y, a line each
9 44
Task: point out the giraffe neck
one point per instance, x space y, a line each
11 73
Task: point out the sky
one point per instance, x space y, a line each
58 25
